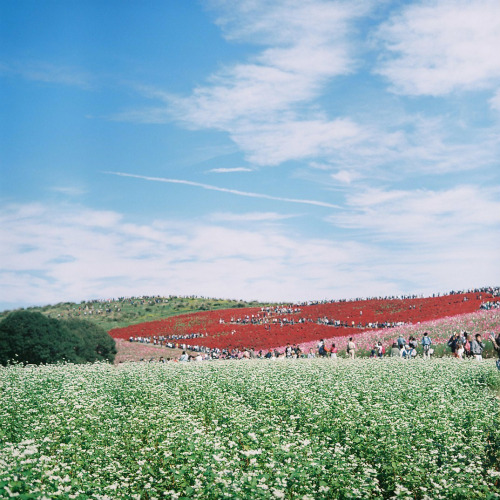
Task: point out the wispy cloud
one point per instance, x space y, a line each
273 143
248 217
225 190
345 176
305 44
49 73
70 191
101 254
267 103
495 101
91 253
229 170
435 48
427 218
395 144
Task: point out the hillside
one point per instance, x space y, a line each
127 311
267 327
232 324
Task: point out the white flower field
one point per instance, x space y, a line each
299 428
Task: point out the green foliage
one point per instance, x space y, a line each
130 311
31 337
95 344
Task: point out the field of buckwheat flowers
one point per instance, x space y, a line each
300 428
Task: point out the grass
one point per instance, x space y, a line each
131 311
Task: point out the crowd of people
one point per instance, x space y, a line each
165 339
352 324
267 316
268 320
490 304
495 291
465 344
462 345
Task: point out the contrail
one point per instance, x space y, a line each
225 190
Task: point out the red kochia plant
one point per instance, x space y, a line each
221 328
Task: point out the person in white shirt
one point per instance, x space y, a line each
351 348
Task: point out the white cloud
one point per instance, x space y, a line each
229 170
276 142
278 22
268 104
495 101
100 254
436 47
345 176
439 145
436 240
248 217
461 217
391 147
305 44
49 73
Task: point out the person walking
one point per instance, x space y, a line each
395 351
477 347
321 348
468 345
426 344
351 348
460 348
401 341
496 346
333 352
380 350
453 344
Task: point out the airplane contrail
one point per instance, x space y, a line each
225 190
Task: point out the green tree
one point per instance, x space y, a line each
31 337
95 343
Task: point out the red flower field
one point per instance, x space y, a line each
254 327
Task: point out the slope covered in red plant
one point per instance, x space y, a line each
276 326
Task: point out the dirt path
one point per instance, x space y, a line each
134 351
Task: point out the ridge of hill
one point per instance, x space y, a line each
126 311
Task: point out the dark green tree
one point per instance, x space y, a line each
95 343
31 337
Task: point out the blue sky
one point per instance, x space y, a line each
272 150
